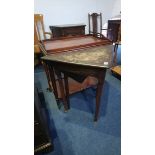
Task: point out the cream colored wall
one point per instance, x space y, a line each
109 8
74 11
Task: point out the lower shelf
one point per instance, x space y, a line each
75 86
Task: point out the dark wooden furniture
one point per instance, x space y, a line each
95 24
77 57
42 139
116 69
67 30
114 25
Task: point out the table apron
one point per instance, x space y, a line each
76 69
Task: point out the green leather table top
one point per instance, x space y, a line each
99 56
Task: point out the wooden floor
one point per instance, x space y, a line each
116 70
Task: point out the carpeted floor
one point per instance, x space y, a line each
74 132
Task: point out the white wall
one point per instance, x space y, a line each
74 11
109 8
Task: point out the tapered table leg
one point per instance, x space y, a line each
67 89
47 75
101 78
53 80
62 89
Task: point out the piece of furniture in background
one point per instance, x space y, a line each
114 24
39 31
42 138
81 77
95 24
39 34
116 69
67 30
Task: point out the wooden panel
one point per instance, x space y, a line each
67 30
114 26
69 43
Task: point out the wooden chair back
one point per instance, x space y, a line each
95 23
39 26
39 32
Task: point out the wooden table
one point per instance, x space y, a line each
75 57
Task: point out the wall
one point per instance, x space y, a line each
109 8
74 11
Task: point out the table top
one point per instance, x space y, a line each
69 43
99 56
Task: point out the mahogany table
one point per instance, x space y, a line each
77 57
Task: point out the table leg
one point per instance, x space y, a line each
62 89
48 75
101 79
53 80
67 89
